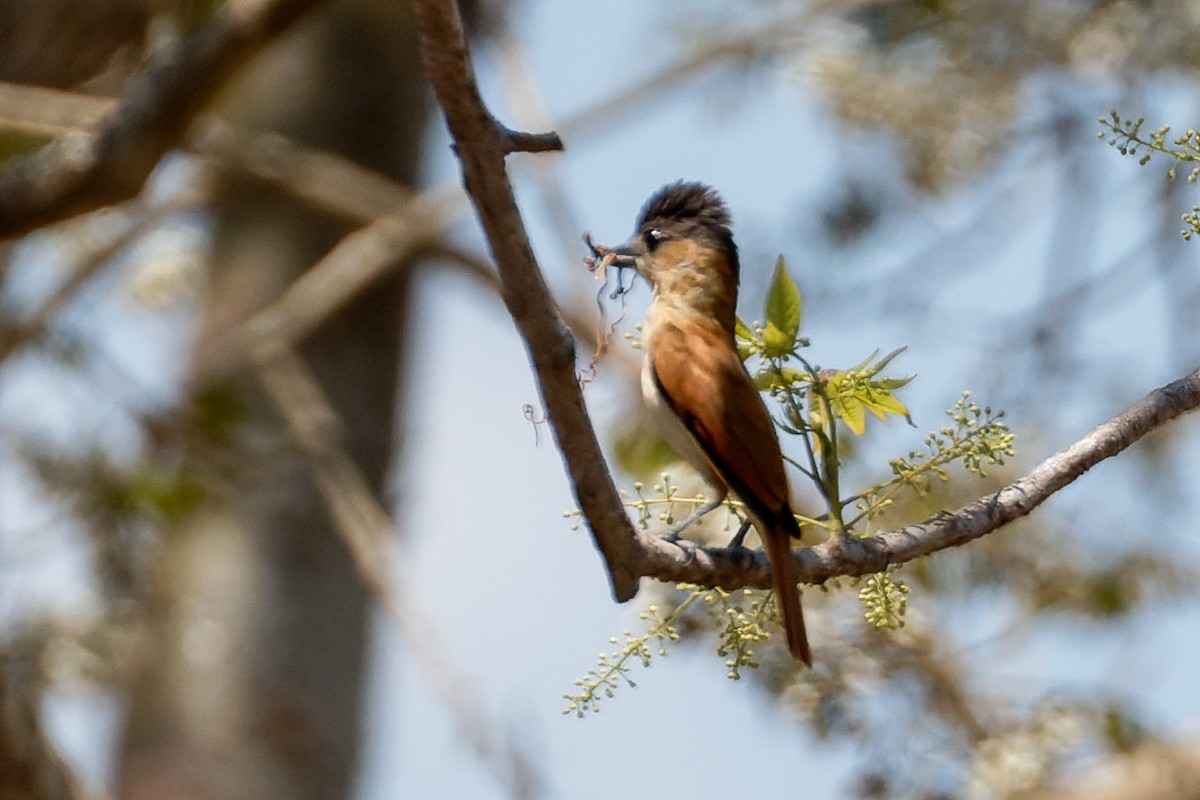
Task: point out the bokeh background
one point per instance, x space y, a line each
179 617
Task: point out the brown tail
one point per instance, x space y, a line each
785 576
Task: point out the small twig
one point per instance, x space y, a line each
324 179
521 142
601 258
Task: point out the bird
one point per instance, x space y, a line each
695 385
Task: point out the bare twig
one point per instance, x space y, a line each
369 534
82 172
522 142
326 180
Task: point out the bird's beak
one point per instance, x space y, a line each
623 256
628 253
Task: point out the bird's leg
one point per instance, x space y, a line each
736 542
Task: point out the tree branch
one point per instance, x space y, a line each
734 569
83 172
481 144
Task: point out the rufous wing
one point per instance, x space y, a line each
702 379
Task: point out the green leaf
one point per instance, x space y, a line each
851 411
783 310
741 330
766 381
862 365
887 404
891 384
883 362
744 339
855 391
881 403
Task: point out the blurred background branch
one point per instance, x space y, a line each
368 533
79 173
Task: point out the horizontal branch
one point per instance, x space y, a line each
81 172
522 142
734 569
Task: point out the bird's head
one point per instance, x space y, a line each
684 247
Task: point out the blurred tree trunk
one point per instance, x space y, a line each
253 676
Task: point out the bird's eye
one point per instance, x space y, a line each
653 237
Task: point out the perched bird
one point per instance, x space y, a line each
694 383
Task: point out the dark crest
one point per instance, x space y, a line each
689 209
686 202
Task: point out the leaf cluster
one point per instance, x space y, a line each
1128 139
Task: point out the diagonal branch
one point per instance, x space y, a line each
355 262
84 171
735 569
369 535
481 144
